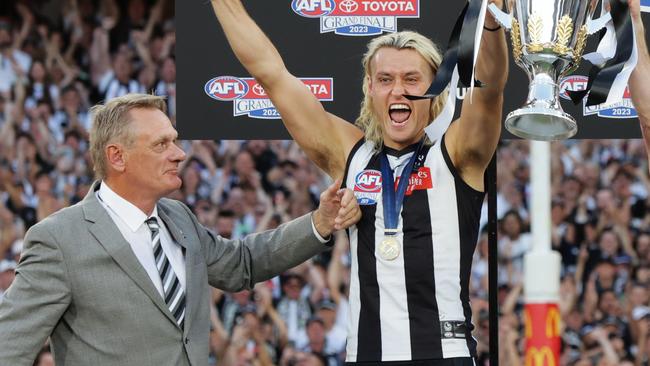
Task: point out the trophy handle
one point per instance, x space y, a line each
503 18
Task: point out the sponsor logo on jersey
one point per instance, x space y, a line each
418 181
249 98
623 109
357 17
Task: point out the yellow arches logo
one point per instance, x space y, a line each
552 323
540 357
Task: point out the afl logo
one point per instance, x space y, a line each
368 181
572 83
313 8
226 88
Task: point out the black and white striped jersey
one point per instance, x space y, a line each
397 306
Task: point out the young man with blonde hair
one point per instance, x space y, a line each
409 291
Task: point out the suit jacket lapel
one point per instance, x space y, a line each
102 227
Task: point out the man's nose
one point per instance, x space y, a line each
179 154
398 88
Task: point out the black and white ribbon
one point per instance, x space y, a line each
614 59
458 64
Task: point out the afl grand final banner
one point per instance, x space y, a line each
322 42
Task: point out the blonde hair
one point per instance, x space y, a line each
110 123
367 119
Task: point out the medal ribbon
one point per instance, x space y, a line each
393 200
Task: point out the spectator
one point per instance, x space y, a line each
294 308
7 275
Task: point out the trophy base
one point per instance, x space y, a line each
541 124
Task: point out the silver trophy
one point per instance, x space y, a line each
548 39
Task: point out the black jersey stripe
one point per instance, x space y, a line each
424 322
369 332
468 202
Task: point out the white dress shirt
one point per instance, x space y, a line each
130 220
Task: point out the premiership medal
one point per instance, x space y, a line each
389 248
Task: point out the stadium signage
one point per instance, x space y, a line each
249 97
624 109
540 357
357 17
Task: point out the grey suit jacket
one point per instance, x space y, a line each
79 282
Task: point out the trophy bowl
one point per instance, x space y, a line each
548 39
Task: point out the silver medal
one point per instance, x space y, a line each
389 248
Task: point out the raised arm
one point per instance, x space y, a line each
471 141
640 78
326 139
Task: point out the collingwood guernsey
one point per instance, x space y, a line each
415 306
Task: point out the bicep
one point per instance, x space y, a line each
325 138
478 129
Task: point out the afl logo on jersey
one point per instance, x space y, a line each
367 186
368 181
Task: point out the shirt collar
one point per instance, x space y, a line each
132 216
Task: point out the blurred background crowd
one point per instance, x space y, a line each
58 58
600 215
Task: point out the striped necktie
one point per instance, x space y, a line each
174 294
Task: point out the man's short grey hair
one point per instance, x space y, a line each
110 124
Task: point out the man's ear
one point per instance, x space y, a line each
116 157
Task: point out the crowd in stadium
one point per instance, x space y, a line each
54 68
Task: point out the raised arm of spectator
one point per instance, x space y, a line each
140 41
325 138
53 56
568 298
110 12
591 299
642 341
7 228
216 196
100 59
263 223
640 78
28 22
335 268
218 335
317 282
71 13
238 339
155 15
264 300
510 352
608 349
510 301
624 236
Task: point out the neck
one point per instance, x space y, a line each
138 199
401 145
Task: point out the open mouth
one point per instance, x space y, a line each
399 113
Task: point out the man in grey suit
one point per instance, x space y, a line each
122 278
